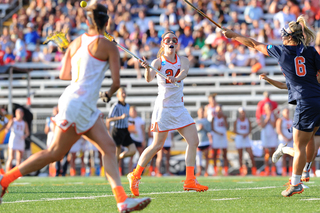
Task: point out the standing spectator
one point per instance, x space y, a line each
284 16
294 7
31 37
19 132
119 114
260 106
219 127
285 137
242 127
205 139
253 12
269 140
210 108
136 128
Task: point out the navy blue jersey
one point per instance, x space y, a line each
300 71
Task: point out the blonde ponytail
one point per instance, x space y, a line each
301 31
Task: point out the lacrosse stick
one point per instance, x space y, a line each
110 38
59 38
201 13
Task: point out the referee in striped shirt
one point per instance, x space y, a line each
119 114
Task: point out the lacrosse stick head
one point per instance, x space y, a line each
108 36
59 38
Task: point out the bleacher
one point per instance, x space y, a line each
46 88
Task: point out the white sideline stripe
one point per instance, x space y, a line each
225 199
152 193
245 182
311 199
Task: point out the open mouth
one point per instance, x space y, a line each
171 46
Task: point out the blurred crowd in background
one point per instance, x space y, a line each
138 26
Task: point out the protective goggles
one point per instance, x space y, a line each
285 33
174 40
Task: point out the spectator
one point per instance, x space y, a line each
31 37
242 58
2 53
186 39
219 60
192 59
199 38
269 140
220 39
137 8
142 21
20 51
294 7
284 16
48 28
230 56
45 56
285 137
36 54
15 23
127 22
242 127
260 109
253 12
8 57
170 14
219 127
58 56
136 128
276 29
268 31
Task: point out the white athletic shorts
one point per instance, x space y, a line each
219 141
16 142
241 142
170 118
269 141
77 114
49 139
81 144
290 143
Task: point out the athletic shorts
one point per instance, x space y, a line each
138 144
121 137
202 148
241 142
306 115
166 148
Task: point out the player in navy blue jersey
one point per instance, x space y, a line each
300 64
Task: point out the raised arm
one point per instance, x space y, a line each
249 42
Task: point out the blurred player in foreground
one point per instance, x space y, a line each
86 60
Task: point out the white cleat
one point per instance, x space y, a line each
304 186
133 204
278 153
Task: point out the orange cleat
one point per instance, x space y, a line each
193 184
206 174
83 171
134 183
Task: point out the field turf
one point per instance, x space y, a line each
225 194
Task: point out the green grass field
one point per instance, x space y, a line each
225 194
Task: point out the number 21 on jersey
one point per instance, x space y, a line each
299 65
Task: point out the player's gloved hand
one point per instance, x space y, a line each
59 38
104 96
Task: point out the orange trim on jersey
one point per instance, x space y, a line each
156 126
170 61
77 47
75 126
266 47
91 35
90 52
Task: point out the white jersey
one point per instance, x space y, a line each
243 127
169 95
210 113
78 103
219 125
268 134
16 140
169 112
285 125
